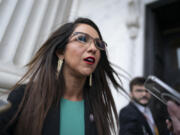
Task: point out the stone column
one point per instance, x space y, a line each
24 26
133 26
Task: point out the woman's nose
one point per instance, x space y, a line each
92 47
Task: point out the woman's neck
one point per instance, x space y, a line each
74 87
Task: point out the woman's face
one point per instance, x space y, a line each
81 57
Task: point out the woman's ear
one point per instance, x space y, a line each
59 54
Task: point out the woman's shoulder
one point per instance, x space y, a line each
17 94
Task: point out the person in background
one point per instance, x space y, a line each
137 118
66 90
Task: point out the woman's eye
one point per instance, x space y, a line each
82 39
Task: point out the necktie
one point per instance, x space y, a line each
156 130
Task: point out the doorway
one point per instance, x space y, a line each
162 49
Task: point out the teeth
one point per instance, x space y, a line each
89 59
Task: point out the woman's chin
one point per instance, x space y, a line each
87 73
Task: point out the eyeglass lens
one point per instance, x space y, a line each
85 38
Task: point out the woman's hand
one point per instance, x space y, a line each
174 112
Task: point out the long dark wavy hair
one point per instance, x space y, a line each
44 90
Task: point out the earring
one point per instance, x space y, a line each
90 80
59 66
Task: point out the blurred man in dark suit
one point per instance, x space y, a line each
137 118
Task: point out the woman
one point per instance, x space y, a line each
67 91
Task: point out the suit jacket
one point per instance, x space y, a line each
52 120
133 122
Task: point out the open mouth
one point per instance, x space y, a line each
89 60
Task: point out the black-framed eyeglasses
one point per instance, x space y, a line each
84 38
